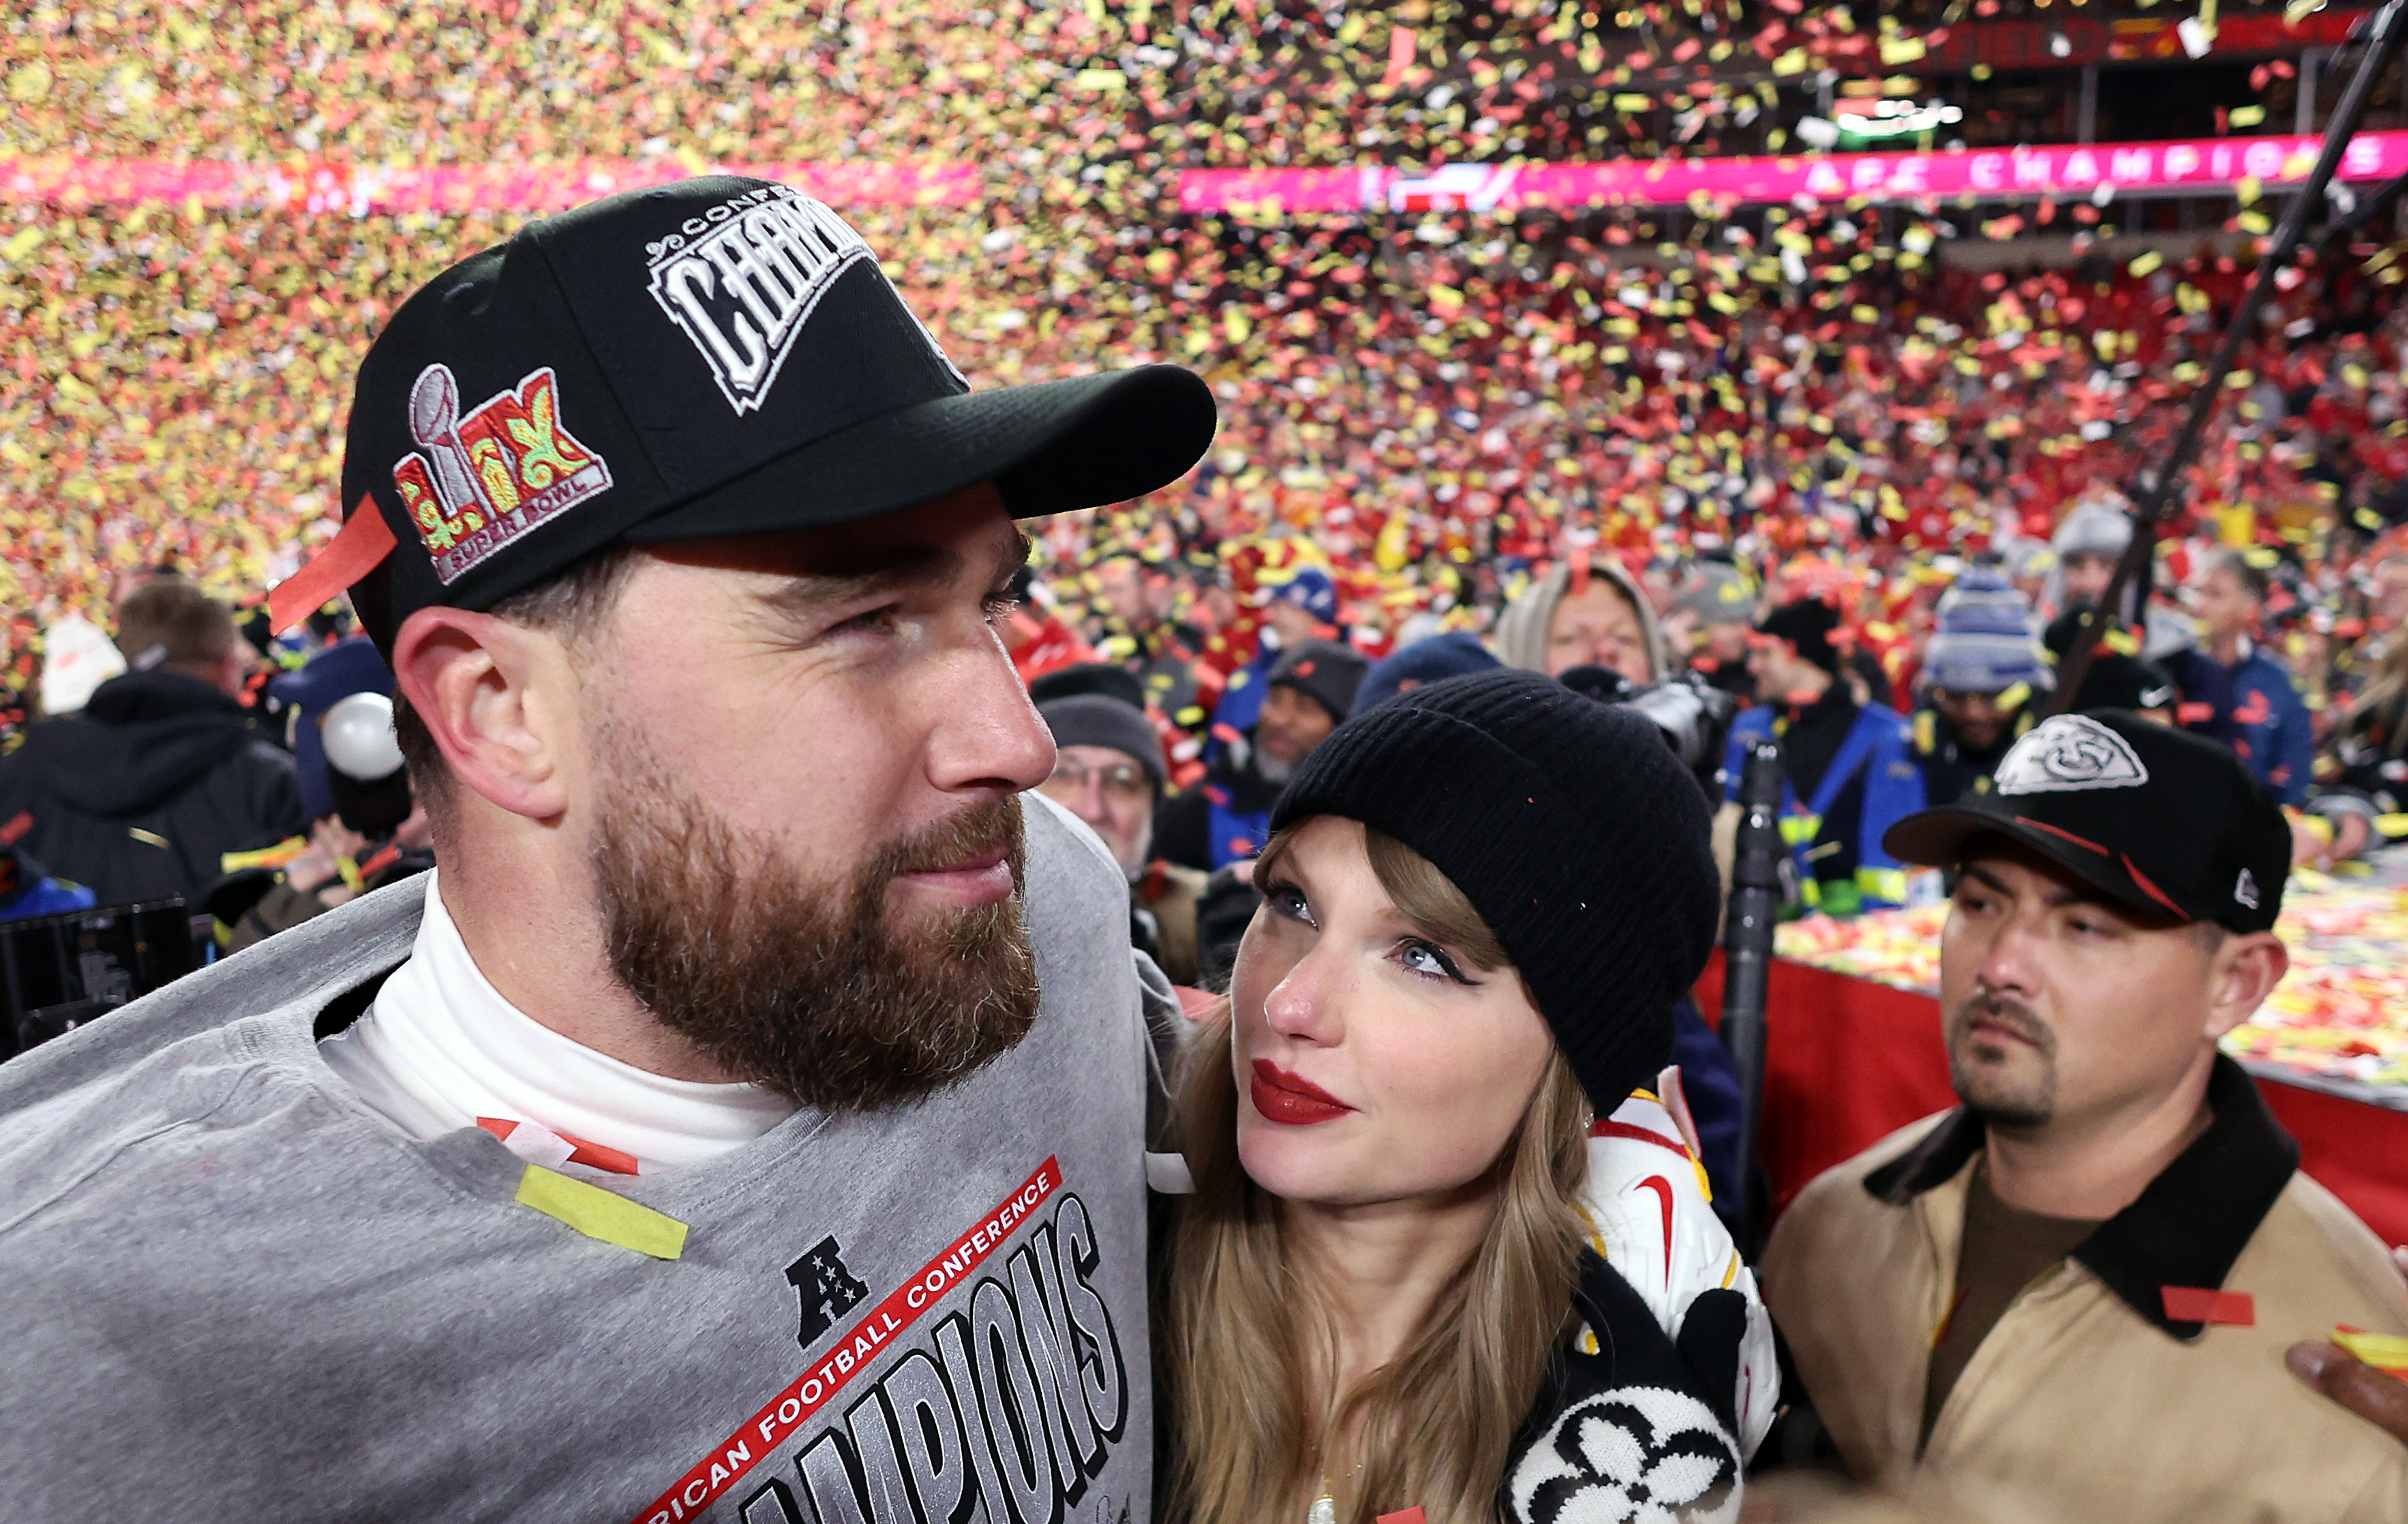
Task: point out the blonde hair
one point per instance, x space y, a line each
1436 1426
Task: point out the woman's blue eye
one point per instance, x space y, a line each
1427 961
1289 902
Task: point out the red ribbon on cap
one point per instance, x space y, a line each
360 545
2206 1304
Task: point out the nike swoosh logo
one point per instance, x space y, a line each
2155 697
1663 1189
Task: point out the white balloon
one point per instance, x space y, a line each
358 734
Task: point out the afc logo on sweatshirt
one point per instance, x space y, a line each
828 1290
1012 1400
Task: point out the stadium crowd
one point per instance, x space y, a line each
1336 664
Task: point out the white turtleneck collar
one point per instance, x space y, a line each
441 1050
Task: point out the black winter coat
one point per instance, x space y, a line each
141 795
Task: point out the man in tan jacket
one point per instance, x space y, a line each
2078 1286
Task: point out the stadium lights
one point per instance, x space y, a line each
1876 120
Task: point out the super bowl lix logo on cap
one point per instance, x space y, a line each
741 279
482 480
2069 753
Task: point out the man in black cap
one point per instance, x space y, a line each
1108 771
2117 679
2081 1282
1849 770
697 1141
1225 818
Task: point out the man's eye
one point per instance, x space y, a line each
881 618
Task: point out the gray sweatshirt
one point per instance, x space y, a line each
231 1292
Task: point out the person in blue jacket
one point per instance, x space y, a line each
1849 767
2233 691
1225 817
27 889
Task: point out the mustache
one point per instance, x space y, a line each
975 831
2000 1011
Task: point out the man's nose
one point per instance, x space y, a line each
988 732
1088 804
2007 965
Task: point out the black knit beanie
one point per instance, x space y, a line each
1572 829
1323 671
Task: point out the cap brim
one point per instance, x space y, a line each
1936 838
1049 448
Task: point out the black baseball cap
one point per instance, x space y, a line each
1325 671
2117 679
2162 820
1807 624
717 357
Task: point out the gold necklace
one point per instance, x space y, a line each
1323 1509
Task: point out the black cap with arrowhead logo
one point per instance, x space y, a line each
721 356
2162 820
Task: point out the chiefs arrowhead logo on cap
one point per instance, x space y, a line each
2069 753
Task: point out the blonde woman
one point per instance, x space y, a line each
1481 903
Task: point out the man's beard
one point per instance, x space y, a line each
800 985
1987 1091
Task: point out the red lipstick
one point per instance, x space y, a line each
1291 1100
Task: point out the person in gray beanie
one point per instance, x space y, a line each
2088 542
1980 671
1108 771
1575 615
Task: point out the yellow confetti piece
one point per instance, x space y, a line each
600 1214
2384 1351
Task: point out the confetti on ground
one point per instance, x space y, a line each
2341 1012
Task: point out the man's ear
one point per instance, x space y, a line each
495 696
2243 971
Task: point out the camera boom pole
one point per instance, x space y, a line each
1747 964
2156 492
